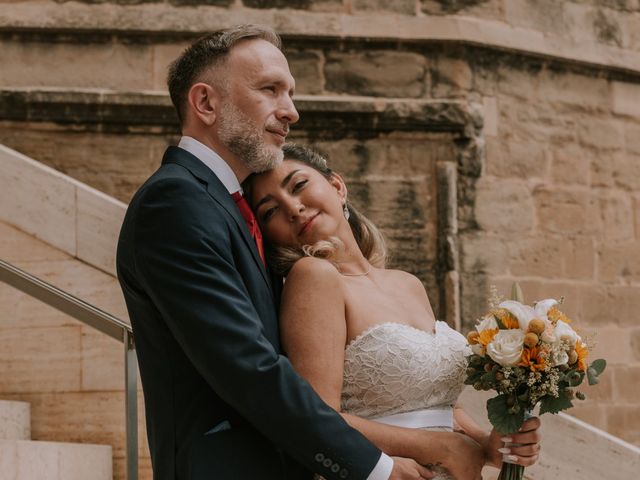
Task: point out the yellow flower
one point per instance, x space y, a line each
507 318
582 352
531 358
554 315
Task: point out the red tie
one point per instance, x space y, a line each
250 218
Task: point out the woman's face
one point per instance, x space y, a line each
296 205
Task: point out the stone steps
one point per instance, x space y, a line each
24 459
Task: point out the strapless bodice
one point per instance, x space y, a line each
394 368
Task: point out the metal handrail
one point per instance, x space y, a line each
101 321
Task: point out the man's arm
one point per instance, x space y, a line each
186 264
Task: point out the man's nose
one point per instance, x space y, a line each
287 111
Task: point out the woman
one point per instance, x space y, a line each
365 337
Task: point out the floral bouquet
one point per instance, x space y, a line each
529 355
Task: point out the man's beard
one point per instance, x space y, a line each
244 139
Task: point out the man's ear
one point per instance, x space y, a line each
338 183
204 102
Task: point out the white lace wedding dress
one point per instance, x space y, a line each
400 375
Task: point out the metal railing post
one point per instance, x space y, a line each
131 405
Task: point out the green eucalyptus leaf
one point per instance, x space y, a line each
599 365
550 404
516 293
500 416
592 376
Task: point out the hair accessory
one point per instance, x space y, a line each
345 210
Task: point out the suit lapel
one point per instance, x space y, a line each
220 195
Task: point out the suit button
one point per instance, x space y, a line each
327 462
335 467
319 457
344 473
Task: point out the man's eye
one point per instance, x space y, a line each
270 88
299 185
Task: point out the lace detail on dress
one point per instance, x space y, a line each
395 368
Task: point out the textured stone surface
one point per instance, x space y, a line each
15 420
54 461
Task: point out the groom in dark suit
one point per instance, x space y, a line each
221 401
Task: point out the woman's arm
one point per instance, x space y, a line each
314 334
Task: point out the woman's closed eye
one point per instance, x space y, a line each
299 185
268 213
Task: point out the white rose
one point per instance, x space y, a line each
524 313
487 323
542 307
564 332
558 357
506 347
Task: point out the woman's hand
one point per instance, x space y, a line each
522 447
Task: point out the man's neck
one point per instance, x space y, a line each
238 167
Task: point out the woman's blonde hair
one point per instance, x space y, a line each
368 237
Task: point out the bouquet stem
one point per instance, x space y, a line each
510 471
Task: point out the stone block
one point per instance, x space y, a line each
603 391
37 200
543 15
617 216
15 420
404 7
602 168
163 55
626 171
483 253
619 262
636 210
632 138
625 384
98 226
490 9
490 116
568 211
379 73
504 206
626 98
306 68
611 343
580 258
40 359
450 77
54 461
517 158
635 343
84 417
624 421
569 165
19 310
607 27
35 64
601 134
579 95
536 256
17 246
102 362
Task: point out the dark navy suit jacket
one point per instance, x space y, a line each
221 401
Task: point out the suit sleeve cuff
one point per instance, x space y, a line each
382 470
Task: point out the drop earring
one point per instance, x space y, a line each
345 211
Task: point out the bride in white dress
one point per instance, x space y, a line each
365 337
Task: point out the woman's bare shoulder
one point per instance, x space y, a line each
312 268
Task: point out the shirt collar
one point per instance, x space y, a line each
211 159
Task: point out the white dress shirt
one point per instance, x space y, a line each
222 170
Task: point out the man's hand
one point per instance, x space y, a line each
408 469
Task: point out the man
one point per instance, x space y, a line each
221 401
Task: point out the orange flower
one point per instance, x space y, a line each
507 318
531 358
554 315
486 336
582 352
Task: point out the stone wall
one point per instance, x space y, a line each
555 203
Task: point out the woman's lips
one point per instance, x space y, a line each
307 224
